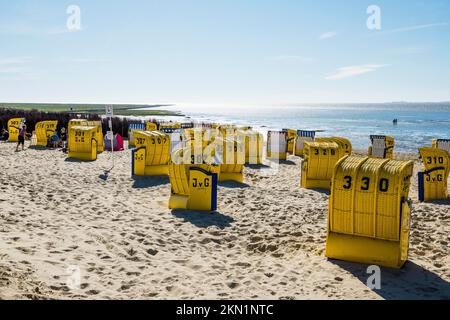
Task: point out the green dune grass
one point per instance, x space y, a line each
119 109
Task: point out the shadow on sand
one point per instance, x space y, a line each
76 160
148 182
39 148
104 176
288 162
445 202
412 282
323 191
257 166
233 185
203 219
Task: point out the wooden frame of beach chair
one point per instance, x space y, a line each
318 164
369 211
152 154
433 181
382 147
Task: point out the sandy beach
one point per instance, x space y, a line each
267 240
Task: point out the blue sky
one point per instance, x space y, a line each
224 51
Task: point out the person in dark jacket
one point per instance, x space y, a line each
5 135
22 135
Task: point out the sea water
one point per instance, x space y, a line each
418 123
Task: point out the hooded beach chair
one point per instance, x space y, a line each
442 144
318 164
90 123
44 130
369 211
382 147
14 126
152 154
132 127
151 126
302 137
345 146
193 185
254 146
433 181
277 145
230 154
291 136
83 143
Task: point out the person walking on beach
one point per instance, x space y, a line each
22 134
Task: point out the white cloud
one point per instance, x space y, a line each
328 35
295 58
29 30
12 68
346 72
57 31
14 60
83 60
414 28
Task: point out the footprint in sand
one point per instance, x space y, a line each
92 292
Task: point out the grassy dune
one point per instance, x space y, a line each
119 109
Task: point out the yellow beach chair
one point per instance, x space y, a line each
369 211
382 147
345 146
133 127
90 123
318 164
83 143
193 186
442 144
302 137
291 135
433 182
152 154
44 130
14 129
254 146
277 145
233 159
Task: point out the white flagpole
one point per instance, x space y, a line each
109 113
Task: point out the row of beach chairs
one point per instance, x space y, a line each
369 208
